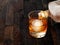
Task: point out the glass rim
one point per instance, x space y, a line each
32 12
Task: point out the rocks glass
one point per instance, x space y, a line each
38 23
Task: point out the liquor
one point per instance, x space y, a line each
38 24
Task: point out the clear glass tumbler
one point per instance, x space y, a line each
38 23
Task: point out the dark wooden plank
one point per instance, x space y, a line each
8 35
1 43
12 35
1 30
9 15
17 35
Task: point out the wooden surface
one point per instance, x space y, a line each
14 23
9 22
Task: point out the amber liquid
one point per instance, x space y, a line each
41 31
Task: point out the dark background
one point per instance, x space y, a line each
14 23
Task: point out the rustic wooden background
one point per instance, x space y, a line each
14 23
10 13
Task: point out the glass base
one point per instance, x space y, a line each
38 34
